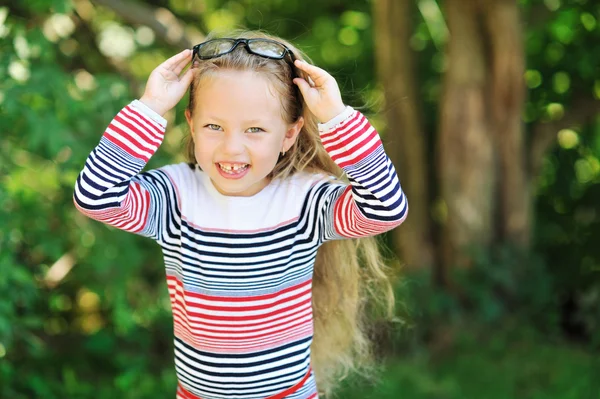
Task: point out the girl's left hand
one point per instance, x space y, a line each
323 98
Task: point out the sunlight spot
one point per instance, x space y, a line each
588 21
85 80
533 78
58 26
69 47
144 36
597 89
116 41
555 111
561 82
87 300
3 28
348 36
357 19
221 19
22 47
18 71
552 5
568 138
586 169
59 270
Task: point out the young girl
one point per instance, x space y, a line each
241 223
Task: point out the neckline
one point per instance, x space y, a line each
238 200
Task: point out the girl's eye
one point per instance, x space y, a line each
255 130
212 126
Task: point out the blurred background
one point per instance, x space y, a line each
488 108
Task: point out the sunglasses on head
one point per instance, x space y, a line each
265 48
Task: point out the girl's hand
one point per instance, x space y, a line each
165 87
323 97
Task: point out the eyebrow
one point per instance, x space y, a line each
248 122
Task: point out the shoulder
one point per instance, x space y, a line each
179 172
302 184
180 175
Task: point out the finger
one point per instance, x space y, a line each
317 74
303 85
187 77
181 65
176 59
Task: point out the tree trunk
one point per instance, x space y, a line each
467 170
404 139
507 96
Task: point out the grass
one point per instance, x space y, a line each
497 365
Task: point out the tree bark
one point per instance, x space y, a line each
404 138
507 96
466 148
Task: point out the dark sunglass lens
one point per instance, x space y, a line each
215 47
267 48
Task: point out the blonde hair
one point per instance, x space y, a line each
350 278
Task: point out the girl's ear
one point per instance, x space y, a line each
188 118
292 134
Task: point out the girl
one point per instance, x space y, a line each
240 224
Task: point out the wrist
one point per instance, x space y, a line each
331 112
154 105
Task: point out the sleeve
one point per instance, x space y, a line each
111 189
373 202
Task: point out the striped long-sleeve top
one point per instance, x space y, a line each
239 269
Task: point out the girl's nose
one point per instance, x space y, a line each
232 144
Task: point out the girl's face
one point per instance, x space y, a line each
238 131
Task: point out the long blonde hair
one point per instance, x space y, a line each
350 280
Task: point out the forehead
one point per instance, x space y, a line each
238 96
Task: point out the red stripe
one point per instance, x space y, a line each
241 346
150 135
248 334
142 135
243 318
355 160
119 144
131 216
355 117
248 326
349 139
134 143
229 336
357 224
158 131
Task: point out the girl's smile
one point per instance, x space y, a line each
232 170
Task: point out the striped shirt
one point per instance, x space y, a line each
239 269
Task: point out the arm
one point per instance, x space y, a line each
374 202
110 187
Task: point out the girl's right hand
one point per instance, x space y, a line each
165 87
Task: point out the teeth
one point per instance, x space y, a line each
232 168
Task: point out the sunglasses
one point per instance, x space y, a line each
265 48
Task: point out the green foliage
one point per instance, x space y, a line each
492 364
493 336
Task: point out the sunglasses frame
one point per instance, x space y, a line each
246 43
